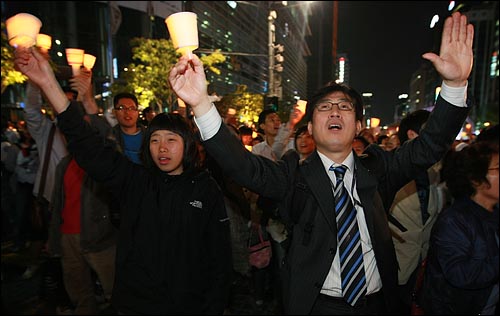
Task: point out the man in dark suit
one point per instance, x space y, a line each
311 197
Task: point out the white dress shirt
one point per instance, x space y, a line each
332 284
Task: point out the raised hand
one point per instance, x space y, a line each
34 65
188 81
81 83
295 116
454 62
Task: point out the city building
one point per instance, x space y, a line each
239 29
483 82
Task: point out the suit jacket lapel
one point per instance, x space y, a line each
314 174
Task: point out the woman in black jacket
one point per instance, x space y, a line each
173 253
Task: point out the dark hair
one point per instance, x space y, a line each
245 130
175 123
461 169
363 140
264 114
380 138
413 121
124 95
147 110
489 134
300 131
331 87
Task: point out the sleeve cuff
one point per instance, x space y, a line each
454 95
209 123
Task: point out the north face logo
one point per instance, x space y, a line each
196 204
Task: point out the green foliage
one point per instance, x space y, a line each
213 59
247 105
147 76
9 74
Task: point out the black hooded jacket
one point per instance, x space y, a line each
173 253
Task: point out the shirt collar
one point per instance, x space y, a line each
327 162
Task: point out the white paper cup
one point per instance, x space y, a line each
88 61
44 41
301 105
22 29
74 56
183 29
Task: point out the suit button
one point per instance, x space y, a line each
332 251
318 285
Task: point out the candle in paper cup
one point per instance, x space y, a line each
301 105
44 41
183 29
74 56
88 61
22 29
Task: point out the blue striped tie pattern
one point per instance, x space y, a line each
352 269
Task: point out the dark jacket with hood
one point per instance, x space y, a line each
173 253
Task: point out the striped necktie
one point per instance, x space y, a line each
352 269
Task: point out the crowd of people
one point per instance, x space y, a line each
159 213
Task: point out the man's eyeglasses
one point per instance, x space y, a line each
125 108
327 105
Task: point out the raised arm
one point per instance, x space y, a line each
286 132
34 65
454 62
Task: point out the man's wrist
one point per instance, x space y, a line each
454 95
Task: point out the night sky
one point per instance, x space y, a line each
384 41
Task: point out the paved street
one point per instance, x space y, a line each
23 294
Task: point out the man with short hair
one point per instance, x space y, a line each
129 133
334 199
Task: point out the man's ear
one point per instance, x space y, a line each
359 127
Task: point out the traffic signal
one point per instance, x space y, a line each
271 103
278 57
